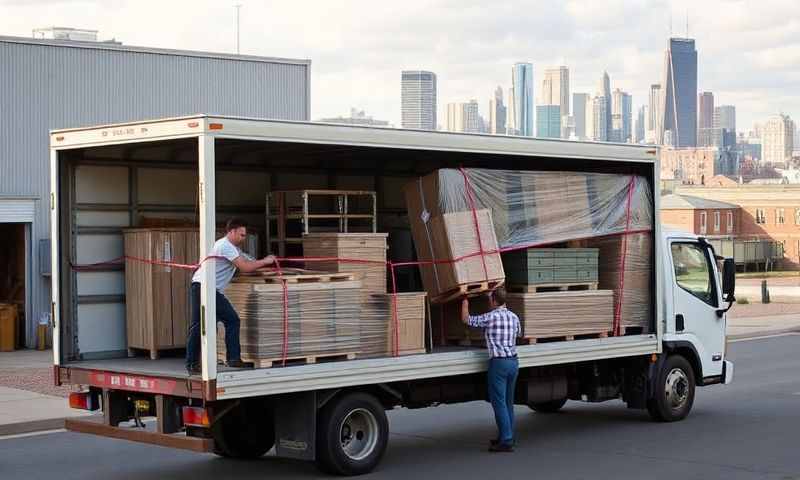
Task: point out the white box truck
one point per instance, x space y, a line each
105 178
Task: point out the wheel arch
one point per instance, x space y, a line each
689 352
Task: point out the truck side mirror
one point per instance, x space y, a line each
728 279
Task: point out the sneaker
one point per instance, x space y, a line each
239 364
501 447
494 442
194 369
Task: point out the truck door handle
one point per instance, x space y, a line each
679 323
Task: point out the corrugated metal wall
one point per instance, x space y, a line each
45 86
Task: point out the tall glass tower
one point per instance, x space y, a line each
418 100
522 83
679 98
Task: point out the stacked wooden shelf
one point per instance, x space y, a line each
551 266
367 247
566 314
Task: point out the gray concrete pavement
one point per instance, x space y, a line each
745 430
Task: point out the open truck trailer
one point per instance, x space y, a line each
108 178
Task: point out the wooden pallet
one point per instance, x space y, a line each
299 360
295 276
565 338
467 290
552 287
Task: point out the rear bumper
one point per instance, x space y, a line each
174 440
727 372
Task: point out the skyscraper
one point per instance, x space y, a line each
455 117
705 119
522 82
464 117
472 119
679 101
641 115
579 114
418 100
604 90
555 88
653 117
724 126
621 112
511 114
599 119
548 121
777 139
497 113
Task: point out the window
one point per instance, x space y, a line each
693 272
761 217
730 222
716 221
703 222
780 216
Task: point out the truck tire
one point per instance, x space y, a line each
674 391
352 433
548 407
245 432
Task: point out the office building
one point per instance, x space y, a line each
464 117
522 84
777 140
621 113
548 121
418 100
497 113
604 90
579 101
599 120
705 119
357 117
678 103
639 126
555 89
653 116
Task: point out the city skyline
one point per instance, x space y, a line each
356 58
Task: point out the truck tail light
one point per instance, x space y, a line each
83 401
196 417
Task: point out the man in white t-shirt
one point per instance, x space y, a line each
226 259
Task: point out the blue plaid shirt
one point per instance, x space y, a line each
501 328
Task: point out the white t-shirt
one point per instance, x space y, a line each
225 268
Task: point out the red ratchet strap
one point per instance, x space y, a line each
618 311
395 317
285 348
471 201
88 267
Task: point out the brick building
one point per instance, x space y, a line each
695 166
766 212
701 216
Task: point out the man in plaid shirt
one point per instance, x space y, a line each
501 328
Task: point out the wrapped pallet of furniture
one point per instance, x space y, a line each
369 248
542 314
158 318
320 320
382 335
8 327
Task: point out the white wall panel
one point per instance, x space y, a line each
98 248
168 187
95 184
101 283
101 327
87 218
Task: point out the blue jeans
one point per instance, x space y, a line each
225 314
502 379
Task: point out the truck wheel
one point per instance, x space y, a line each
246 431
674 392
548 407
352 433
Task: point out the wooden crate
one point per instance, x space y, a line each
377 325
563 314
157 309
357 246
8 327
550 266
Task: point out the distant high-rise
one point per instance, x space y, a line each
579 114
418 102
604 90
653 115
511 114
641 115
522 82
455 117
464 117
724 126
548 121
621 112
777 140
705 119
497 113
599 119
555 88
679 101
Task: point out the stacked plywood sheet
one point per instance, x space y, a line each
563 314
322 321
380 335
157 308
352 246
636 293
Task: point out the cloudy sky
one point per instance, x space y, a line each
748 51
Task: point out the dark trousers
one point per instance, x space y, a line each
502 379
225 314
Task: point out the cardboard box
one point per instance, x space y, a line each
357 246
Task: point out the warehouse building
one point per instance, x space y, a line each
50 84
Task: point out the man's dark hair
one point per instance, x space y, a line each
234 223
499 295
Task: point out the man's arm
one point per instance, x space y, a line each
480 321
246 266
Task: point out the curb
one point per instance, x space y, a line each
31 426
763 333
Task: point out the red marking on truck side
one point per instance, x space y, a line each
136 383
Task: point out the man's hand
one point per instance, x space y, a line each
464 310
268 260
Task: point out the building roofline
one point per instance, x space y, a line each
152 50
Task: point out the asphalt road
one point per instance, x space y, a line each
750 429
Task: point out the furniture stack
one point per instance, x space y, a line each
8 327
564 313
381 336
368 247
157 309
551 266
